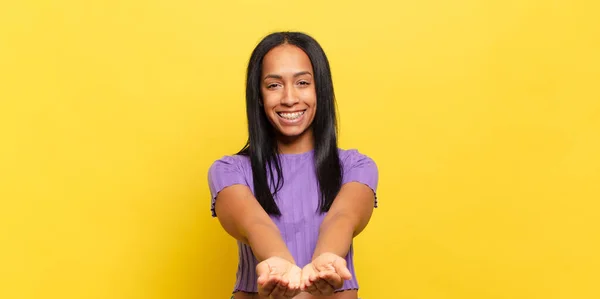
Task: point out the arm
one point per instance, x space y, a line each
348 216
243 218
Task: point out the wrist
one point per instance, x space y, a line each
335 236
265 241
286 256
267 253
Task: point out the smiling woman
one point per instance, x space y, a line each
292 199
288 94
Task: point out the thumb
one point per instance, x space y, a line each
307 272
341 269
262 270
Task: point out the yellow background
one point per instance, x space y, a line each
483 116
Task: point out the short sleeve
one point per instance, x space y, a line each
224 172
360 168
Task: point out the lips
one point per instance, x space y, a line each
291 118
291 115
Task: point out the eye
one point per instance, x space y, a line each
305 83
272 85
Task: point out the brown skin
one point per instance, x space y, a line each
288 86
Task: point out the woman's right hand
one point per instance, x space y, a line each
278 278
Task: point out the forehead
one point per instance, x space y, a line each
286 58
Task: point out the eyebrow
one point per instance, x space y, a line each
280 77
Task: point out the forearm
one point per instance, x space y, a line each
335 236
266 241
347 217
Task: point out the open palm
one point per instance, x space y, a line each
325 274
278 278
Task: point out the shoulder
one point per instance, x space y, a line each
230 162
229 165
358 167
227 171
352 157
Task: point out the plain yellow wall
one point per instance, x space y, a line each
483 116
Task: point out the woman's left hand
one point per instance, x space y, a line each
324 275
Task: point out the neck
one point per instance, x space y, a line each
296 145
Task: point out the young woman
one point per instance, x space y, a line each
291 198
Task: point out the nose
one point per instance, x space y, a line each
290 98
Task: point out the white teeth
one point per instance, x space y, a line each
291 116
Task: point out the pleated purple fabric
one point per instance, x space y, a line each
298 201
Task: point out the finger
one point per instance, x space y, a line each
324 287
280 288
304 279
262 279
269 286
266 289
262 270
311 278
310 285
294 277
333 279
291 291
342 269
312 289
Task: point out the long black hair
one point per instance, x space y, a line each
261 146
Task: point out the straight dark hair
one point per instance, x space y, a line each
261 146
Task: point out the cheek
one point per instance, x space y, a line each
310 97
268 104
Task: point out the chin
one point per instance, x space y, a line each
292 133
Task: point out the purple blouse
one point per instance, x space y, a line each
297 200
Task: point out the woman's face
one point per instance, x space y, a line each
288 90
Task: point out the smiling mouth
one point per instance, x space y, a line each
291 115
